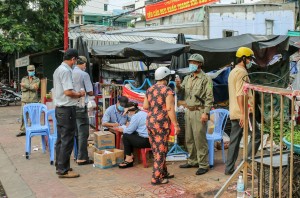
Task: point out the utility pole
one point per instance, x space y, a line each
66 25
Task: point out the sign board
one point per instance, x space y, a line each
170 7
21 62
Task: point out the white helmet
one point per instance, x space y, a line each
162 72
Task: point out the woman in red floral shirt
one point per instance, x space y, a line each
159 102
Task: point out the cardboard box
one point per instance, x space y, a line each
104 140
108 158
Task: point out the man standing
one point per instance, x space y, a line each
66 100
82 81
197 90
236 80
29 86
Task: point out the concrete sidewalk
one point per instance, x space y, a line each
36 177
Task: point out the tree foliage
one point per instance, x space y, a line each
32 25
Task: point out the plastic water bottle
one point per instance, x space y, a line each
240 189
82 100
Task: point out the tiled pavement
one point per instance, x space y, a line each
36 178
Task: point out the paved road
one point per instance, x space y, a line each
36 177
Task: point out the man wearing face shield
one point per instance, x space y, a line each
237 77
114 115
197 90
29 86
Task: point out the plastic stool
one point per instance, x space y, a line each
143 152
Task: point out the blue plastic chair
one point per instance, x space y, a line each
53 136
220 117
32 115
52 133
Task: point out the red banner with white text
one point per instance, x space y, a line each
170 7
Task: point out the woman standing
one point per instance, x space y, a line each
159 102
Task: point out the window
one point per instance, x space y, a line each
105 7
269 27
230 33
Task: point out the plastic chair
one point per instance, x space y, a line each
52 134
219 120
143 152
33 112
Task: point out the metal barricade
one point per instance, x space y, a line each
276 176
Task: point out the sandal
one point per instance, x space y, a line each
169 176
89 161
126 164
164 181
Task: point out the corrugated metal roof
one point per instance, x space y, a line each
133 66
104 39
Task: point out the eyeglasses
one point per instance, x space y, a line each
30 70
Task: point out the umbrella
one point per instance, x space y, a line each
82 49
182 60
148 51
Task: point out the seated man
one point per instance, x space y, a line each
135 134
113 116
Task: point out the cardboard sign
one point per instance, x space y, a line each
104 140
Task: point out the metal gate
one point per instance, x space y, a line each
278 177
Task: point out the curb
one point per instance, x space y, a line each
11 180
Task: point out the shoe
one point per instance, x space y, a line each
187 166
69 174
127 164
201 171
169 176
59 173
89 161
22 133
164 181
229 172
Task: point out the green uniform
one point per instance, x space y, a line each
29 94
198 95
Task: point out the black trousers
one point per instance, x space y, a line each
82 133
66 126
235 139
132 141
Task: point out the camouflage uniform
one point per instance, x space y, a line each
198 95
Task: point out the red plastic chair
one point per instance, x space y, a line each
143 152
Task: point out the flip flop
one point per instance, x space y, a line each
89 161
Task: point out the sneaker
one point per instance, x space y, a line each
22 133
69 174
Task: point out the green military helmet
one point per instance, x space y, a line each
81 60
30 68
196 57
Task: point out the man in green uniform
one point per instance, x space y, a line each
197 89
29 86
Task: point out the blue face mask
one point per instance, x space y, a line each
193 67
120 108
249 65
31 73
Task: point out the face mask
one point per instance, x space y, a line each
31 73
193 67
120 108
249 65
